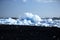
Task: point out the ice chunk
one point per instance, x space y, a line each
33 18
25 22
29 15
10 21
36 18
50 20
29 21
45 24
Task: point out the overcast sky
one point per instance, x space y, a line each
17 8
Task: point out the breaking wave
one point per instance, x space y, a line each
30 19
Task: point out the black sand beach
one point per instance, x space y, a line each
20 32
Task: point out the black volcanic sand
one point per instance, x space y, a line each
16 32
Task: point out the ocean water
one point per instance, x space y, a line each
31 19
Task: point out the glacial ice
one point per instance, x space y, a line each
30 19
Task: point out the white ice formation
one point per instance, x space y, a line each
30 19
